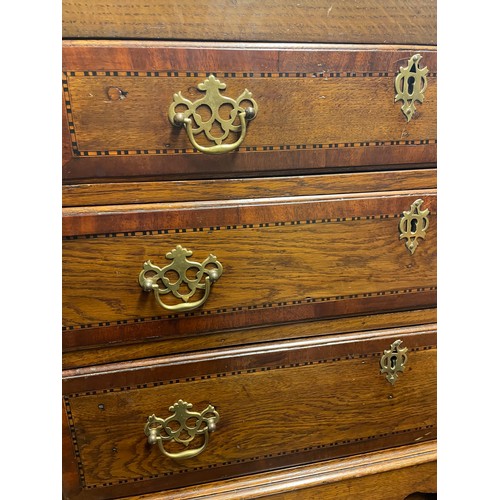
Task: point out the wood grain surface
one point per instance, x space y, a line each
364 21
385 475
275 403
319 107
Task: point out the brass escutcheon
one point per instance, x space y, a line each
194 123
155 279
413 225
411 83
393 361
159 430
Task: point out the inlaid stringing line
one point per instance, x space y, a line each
69 112
76 450
296 147
241 74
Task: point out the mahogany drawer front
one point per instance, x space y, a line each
365 21
283 260
318 107
278 405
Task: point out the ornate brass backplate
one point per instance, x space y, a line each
182 427
413 225
393 361
154 278
194 123
411 83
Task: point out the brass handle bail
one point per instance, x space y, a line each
195 124
158 430
154 279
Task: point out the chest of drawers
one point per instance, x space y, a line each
249 250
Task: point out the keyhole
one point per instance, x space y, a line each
411 83
413 225
394 360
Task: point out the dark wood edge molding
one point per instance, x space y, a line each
227 57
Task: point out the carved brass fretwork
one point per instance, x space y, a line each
194 123
413 225
411 83
393 361
155 279
182 427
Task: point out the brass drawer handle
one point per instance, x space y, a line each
158 430
213 100
155 279
393 361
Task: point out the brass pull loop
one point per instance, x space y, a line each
194 123
155 279
159 431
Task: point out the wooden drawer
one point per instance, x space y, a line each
363 21
284 260
279 404
320 108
